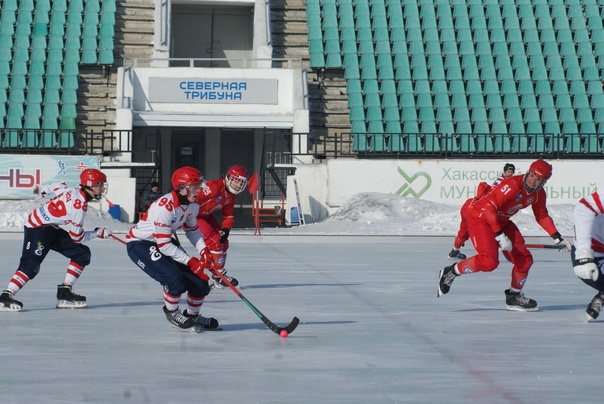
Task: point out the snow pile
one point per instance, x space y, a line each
367 213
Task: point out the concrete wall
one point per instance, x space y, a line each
323 188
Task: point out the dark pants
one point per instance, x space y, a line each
176 278
38 242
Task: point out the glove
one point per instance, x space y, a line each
196 267
102 233
585 266
504 241
207 258
38 190
224 234
560 241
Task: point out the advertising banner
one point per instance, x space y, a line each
19 174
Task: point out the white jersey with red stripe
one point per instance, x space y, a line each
68 208
160 222
589 224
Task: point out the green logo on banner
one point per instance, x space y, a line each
408 189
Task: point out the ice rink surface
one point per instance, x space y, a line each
371 330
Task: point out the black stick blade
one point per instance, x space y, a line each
291 326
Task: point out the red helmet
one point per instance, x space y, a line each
236 179
541 169
91 177
185 177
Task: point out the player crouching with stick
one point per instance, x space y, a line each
150 246
43 234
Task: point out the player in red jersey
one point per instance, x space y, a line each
462 234
490 228
151 246
43 234
220 195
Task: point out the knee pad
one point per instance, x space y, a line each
219 258
83 256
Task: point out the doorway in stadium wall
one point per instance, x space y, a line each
188 149
237 147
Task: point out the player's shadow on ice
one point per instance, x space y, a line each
123 304
293 285
567 307
261 326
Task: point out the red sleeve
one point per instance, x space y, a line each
482 189
228 215
542 215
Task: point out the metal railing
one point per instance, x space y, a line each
451 146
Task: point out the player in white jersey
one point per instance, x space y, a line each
588 252
42 234
150 246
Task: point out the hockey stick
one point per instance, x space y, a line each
550 246
289 328
118 239
276 329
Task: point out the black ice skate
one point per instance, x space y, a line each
8 302
445 280
457 255
595 306
208 323
66 299
219 284
516 301
178 319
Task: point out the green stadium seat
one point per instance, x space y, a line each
317 59
593 143
17 95
358 127
377 140
410 126
34 95
384 66
374 114
66 132
14 116
357 113
359 140
355 100
351 66
391 114
392 127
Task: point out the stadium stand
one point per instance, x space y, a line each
42 45
481 78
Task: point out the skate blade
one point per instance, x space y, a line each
516 308
456 259
12 307
68 304
439 292
589 318
199 329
